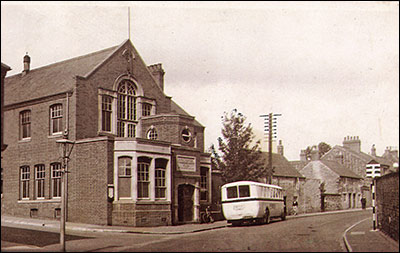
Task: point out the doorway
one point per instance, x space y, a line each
185 202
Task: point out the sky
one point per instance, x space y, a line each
330 68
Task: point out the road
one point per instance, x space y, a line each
305 234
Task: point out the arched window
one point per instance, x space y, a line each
126 111
152 133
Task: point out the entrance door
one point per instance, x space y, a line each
322 203
185 202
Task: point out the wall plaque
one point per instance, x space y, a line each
186 163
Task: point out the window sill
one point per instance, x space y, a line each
105 133
27 201
24 140
55 135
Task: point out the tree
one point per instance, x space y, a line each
239 160
323 148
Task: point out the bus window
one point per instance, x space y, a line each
244 191
231 192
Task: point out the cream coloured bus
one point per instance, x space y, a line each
252 202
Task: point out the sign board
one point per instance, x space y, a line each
373 170
186 163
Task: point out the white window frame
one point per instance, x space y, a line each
25 118
146 109
55 179
127 109
40 176
204 182
126 173
160 182
24 181
143 179
152 133
56 115
106 108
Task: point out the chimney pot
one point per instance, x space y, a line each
27 63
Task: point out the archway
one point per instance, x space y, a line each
185 202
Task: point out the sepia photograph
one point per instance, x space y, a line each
200 126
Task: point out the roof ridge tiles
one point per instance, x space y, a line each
67 60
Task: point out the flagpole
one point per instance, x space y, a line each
129 23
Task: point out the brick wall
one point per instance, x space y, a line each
387 197
91 168
290 190
40 149
141 214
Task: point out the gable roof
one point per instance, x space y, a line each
340 169
54 78
59 77
5 67
366 158
283 168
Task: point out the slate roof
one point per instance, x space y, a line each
5 66
340 169
363 156
178 110
59 77
283 168
52 79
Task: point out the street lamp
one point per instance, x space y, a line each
66 147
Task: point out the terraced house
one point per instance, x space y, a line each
138 157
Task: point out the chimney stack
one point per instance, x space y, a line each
280 148
27 63
373 150
314 153
158 73
303 155
353 143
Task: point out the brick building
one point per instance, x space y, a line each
4 70
330 186
138 157
351 157
287 177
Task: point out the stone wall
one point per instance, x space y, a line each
387 197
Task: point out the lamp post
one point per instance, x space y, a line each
66 146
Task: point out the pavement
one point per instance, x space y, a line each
360 237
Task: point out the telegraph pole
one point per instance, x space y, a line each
270 121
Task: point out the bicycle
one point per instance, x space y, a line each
206 216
